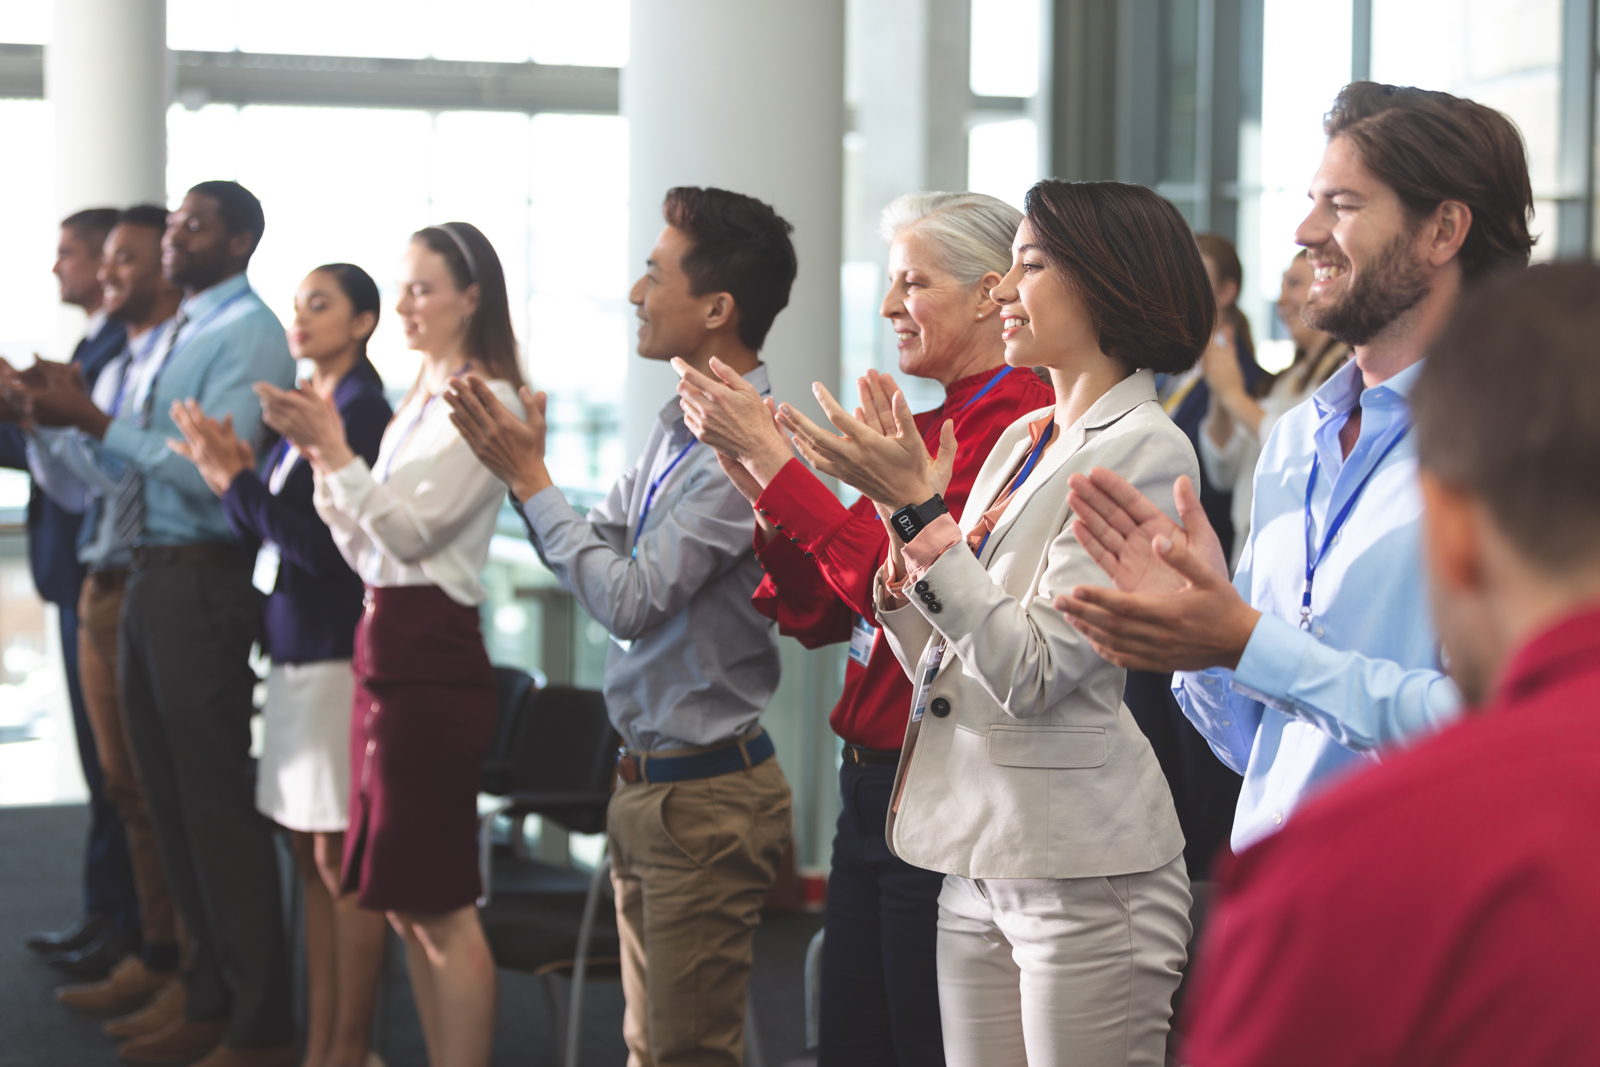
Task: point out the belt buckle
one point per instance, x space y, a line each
851 755
628 767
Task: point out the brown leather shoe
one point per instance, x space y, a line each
131 986
166 1006
271 1056
181 1041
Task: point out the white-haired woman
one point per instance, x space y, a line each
880 1001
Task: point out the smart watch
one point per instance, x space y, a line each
910 520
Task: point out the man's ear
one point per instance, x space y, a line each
1453 543
1446 229
241 245
720 312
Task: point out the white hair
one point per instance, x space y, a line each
972 232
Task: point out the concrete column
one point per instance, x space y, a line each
748 95
105 75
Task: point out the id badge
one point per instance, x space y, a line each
265 577
862 636
935 658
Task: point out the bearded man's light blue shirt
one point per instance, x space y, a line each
1306 706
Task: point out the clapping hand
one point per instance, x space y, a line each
512 448
881 454
58 396
214 447
727 413
13 396
1172 607
312 423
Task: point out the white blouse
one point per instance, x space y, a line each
425 513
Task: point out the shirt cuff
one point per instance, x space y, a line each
934 540
543 507
1271 659
801 507
349 486
887 594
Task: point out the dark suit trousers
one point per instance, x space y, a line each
186 693
108 886
880 987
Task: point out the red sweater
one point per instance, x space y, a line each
820 569
1442 908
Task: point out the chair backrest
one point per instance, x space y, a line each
514 695
563 743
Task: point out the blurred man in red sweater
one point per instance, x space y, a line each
1442 909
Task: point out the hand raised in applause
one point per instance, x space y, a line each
727 413
312 423
13 396
889 464
1172 607
512 448
58 396
214 447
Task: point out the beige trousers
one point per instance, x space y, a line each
99 608
1059 972
691 863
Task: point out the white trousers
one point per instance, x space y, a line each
1055 972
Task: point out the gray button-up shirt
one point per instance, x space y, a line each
691 662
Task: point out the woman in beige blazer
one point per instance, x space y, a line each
1064 914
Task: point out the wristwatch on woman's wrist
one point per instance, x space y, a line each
909 520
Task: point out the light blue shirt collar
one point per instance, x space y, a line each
204 302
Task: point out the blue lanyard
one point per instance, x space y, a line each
411 428
128 366
174 348
650 495
1314 556
1022 475
990 384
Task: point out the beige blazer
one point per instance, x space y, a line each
1026 764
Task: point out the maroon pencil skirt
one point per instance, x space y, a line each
420 728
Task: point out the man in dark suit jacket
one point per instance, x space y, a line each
110 923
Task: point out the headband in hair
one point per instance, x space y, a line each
466 253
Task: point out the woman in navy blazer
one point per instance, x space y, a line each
309 617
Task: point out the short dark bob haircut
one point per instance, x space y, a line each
1132 259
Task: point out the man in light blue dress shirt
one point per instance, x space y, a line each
1321 653
189 617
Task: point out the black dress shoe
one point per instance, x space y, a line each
94 962
74 937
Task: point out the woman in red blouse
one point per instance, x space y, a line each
880 1000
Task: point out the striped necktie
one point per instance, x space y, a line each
128 506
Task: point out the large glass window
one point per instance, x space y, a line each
1503 53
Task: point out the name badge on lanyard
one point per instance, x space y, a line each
935 657
862 636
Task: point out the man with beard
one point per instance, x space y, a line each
79 479
189 616
1322 653
109 926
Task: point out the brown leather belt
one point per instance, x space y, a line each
109 580
199 555
864 757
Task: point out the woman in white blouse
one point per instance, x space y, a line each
416 528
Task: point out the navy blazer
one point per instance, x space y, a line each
52 529
315 604
1216 500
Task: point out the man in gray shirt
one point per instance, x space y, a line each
666 565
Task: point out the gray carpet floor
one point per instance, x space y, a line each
41 856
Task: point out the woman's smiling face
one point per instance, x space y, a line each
1043 321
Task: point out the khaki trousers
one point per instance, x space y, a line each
691 863
1069 972
99 607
